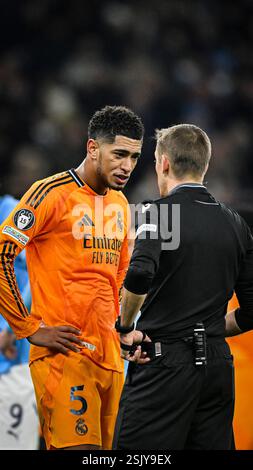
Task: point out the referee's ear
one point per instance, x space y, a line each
166 168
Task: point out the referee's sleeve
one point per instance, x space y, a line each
244 287
145 258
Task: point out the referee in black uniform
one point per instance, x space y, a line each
191 253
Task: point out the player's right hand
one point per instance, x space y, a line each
59 338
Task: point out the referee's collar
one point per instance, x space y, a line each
186 185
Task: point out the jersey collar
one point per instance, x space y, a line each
186 185
76 177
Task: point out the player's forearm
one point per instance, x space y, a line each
130 306
123 265
120 279
12 306
232 328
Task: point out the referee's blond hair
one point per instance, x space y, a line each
187 147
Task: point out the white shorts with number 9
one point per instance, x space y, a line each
19 427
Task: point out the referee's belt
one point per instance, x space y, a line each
159 348
153 349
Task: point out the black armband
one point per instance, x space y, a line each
124 330
245 322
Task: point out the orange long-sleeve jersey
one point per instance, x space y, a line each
242 350
77 257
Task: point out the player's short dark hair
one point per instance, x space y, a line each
187 147
110 121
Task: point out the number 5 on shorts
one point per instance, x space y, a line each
79 398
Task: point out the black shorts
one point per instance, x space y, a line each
169 403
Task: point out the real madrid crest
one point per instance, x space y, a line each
81 427
24 219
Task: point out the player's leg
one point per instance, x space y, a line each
19 425
110 397
83 447
68 401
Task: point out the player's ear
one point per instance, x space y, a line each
92 149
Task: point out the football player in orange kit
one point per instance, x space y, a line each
74 227
242 349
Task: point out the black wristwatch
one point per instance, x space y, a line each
123 329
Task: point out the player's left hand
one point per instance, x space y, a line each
134 337
60 338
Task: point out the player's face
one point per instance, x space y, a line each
117 161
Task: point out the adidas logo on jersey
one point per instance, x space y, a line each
86 220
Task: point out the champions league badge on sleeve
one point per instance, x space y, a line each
24 219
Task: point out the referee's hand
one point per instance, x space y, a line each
59 338
135 337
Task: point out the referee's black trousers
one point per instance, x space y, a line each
169 403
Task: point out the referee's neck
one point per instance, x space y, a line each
173 185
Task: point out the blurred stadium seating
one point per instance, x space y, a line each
172 61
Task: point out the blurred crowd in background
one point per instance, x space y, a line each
171 61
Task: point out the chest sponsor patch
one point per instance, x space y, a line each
146 228
12 232
24 219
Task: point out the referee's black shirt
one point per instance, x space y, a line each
195 281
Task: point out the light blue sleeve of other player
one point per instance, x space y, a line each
7 204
